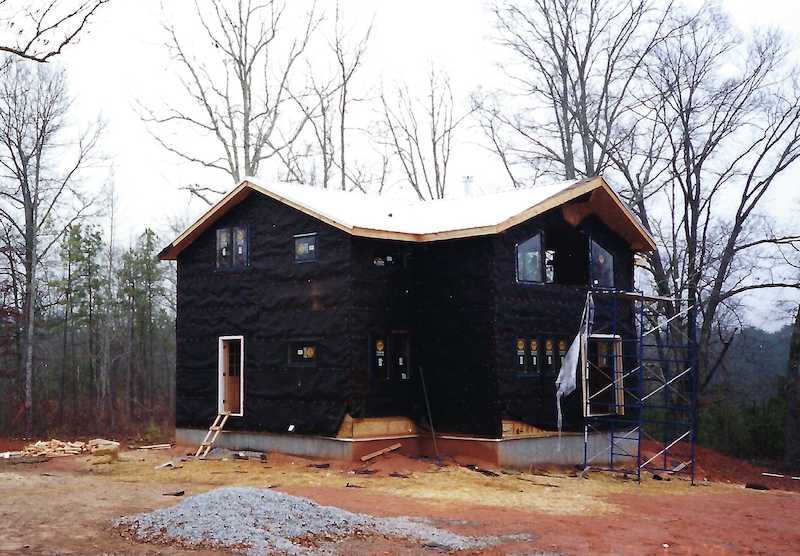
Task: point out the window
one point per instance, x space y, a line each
602 267
527 361
529 260
232 247
305 248
240 246
223 248
302 354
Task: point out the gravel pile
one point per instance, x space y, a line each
259 521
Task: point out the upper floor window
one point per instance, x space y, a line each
305 248
534 263
602 267
232 247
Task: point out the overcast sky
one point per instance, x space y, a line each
122 61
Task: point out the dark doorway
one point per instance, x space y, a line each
391 372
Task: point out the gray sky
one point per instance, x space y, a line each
122 61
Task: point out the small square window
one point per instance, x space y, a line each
305 248
302 354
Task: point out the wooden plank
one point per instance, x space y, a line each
380 452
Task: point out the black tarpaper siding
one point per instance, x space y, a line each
549 310
271 303
458 300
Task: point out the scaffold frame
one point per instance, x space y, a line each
656 430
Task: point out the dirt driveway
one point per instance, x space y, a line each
67 505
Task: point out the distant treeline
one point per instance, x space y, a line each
743 412
105 339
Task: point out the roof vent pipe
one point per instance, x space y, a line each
467 181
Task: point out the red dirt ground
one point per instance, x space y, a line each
694 523
65 505
11 444
718 467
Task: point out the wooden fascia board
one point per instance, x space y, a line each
649 242
245 187
234 197
573 191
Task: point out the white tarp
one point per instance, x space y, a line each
567 380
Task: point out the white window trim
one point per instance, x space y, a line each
221 380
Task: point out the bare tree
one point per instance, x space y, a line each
239 94
38 187
420 133
348 61
327 104
42 30
706 150
104 404
660 102
574 64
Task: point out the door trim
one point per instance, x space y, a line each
617 382
221 379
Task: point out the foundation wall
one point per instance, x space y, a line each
508 452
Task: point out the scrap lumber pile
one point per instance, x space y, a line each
56 448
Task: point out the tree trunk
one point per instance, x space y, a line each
67 309
30 330
792 427
92 369
129 390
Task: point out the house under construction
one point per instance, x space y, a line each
333 324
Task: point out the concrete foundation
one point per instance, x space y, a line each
505 452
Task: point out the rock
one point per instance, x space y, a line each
106 450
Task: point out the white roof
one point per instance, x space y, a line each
383 217
373 212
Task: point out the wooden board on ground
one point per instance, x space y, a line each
380 452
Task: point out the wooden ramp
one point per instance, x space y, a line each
212 434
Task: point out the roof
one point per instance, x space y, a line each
423 221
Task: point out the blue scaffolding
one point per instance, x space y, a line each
639 381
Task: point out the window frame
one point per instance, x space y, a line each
231 231
291 354
297 237
540 235
592 243
531 368
223 262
